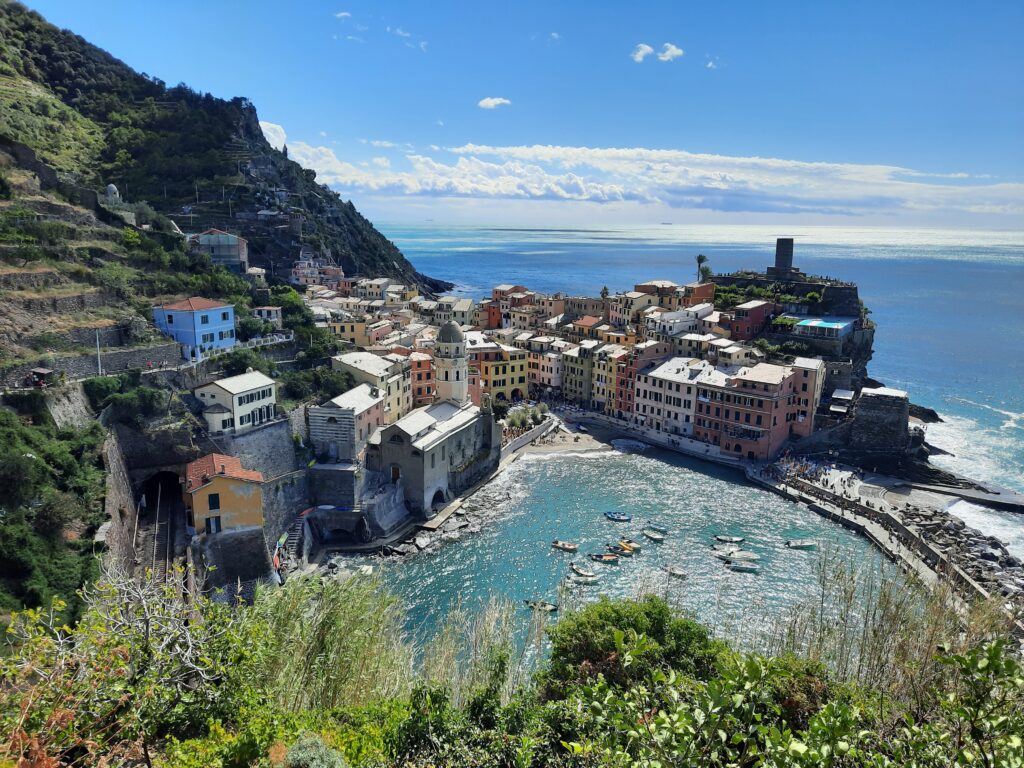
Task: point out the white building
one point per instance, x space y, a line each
389 373
666 395
238 403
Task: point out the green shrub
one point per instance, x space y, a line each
311 752
588 643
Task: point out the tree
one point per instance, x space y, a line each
604 292
706 274
702 260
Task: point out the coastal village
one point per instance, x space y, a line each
749 370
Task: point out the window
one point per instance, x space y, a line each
204 319
214 501
223 315
213 524
170 319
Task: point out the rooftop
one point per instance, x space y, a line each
358 398
243 382
366 362
764 373
428 426
199 472
194 304
883 392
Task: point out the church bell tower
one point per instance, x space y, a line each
451 368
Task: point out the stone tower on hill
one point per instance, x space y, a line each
451 368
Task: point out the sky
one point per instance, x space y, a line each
900 114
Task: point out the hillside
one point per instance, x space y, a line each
201 160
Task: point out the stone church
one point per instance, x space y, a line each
434 453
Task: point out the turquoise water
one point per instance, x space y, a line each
950 309
542 497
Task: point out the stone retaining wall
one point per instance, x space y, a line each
40 278
525 439
283 498
268 448
119 504
84 366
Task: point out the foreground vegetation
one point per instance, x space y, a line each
318 673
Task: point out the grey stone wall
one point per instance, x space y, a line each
880 425
268 448
297 421
84 366
283 498
65 305
37 279
333 485
119 505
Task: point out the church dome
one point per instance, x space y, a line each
450 333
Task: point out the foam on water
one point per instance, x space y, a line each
1005 526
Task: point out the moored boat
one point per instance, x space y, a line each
618 517
725 547
604 557
581 571
630 544
729 539
541 605
656 526
653 535
577 579
565 546
619 551
743 554
743 567
674 571
801 543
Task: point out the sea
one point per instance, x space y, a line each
949 306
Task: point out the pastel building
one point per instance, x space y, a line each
666 393
747 320
221 495
223 248
388 373
341 426
422 376
200 325
268 314
238 403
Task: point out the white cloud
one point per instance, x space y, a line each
440 123
669 52
554 36
342 15
273 133
492 102
401 32
711 63
323 133
354 39
382 162
642 51
423 46
673 179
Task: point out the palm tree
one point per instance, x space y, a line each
701 261
604 292
706 274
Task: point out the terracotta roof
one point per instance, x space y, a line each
217 464
195 303
588 321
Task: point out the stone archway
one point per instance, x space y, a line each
517 395
438 500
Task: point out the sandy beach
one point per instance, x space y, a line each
563 440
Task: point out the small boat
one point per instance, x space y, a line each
743 567
585 579
801 543
674 571
581 571
630 544
729 539
604 557
653 535
618 517
725 547
654 526
565 546
742 554
619 551
541 605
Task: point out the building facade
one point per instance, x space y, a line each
238 403
221 495
199 325
340 427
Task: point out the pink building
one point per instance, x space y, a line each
747 320
422 373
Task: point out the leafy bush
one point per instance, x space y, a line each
589 643
311 752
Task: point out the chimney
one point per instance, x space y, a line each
223 469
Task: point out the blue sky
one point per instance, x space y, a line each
896 114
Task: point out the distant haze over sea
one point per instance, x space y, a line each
949 305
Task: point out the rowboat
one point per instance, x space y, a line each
565 546
801 543
654 526
674 571
618 517
743 567
729 539
604 557
581 572
617 550
541 605
743 554
630 544
585 579
653 535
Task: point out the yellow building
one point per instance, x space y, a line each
220 494
504 376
